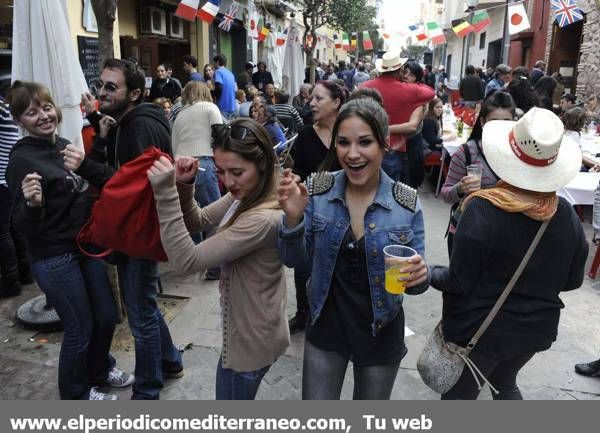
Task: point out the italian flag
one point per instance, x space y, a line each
187 9
480 20
345 41
209 11
435 33
367 43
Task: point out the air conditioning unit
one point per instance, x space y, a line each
175 27
153 21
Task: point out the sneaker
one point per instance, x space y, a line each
97 395
297 324
117 378
591 369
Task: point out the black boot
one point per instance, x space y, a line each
591 369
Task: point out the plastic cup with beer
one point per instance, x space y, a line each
396 261
475 172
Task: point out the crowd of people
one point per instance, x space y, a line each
250 183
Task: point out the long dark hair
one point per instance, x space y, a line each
431 115
523 94
250 140
497 100
370 112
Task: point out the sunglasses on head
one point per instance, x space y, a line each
235 132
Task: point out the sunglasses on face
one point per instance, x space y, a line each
108 87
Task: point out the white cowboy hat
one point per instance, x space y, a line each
389 62
533 153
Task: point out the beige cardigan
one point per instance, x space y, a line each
252 285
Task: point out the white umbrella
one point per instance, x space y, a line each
43 51
293 62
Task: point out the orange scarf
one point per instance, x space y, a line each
505 197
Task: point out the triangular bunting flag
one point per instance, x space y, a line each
336 41
187 9
228 18
209 11
566 12
517 18
345 41
435 33
480 20
367 43
461 27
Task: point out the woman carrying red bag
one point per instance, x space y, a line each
50 204
252 283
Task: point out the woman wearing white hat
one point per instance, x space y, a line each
533 160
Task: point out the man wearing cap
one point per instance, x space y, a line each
501 78
399 100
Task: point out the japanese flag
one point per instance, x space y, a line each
517 19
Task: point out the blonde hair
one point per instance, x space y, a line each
195 91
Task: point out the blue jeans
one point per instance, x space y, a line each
234 385
207 184
154 348
79 289
206 191
395 165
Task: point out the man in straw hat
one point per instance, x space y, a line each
533 159
399 100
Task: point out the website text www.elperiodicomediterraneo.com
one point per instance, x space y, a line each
214 422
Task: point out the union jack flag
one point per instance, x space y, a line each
566 12
228 18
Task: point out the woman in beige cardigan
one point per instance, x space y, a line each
252 284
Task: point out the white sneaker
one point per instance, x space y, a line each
97 395
117 378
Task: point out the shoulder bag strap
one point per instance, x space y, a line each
480 151
508 288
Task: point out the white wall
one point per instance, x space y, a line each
493 32
476 56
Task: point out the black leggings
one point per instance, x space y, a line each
323 376
502 374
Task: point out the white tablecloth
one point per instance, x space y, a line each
581 189
452 146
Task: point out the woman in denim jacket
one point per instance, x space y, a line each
349 217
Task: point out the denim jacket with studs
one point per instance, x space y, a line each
394 217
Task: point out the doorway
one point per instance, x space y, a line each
565 53
494 55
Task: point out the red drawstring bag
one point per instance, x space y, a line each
124 218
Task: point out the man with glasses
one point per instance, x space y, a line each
126 127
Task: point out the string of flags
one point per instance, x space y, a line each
566 12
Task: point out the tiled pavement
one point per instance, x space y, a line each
28 361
